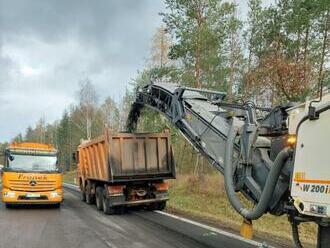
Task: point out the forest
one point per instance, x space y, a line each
274 54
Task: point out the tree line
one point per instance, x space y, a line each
84 120
278 53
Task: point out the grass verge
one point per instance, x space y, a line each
69 177
205 200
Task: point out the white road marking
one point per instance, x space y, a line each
213 229
209 228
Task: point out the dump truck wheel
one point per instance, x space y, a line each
120 210
82 195
99 198
82 190
107 209
151 207
161 205
156 206
90 199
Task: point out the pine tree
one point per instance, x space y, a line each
63 141
200 29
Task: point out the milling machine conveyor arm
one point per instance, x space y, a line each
203 124
205 120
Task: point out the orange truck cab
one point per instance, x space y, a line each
31 175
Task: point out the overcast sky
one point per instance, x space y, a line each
47 46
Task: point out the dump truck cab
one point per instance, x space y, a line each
31 175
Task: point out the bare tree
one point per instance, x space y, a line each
110 113
88 99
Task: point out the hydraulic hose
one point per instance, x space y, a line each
270 184
295 234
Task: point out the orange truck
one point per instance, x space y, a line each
31 175
124 169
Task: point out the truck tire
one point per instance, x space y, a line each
156 206
161 205
151 207
107 209
90 199
120 210
99 198
57 205
82 195
9 205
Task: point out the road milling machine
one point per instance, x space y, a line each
278 158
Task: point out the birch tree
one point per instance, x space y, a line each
88 99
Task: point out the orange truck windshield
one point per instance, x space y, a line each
19 162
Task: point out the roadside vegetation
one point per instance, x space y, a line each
273 54
277 53
205 200
70 177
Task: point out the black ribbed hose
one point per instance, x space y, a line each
272 178
295 235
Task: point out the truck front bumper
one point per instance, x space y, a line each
22 197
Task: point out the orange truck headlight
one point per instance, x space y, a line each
54 194
161 186
9 194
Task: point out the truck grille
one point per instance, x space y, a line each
24 185
42 197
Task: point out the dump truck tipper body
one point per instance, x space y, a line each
117 170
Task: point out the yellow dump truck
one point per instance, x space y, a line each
31 175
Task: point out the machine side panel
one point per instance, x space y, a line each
311 176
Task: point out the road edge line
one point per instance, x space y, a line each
71 186
195 223
213 229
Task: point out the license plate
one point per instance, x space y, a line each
32 195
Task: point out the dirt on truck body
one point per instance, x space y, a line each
125 169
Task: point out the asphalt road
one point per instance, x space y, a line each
78 225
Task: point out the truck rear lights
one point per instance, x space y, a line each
115 190
161 186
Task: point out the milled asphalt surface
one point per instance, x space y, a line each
78 225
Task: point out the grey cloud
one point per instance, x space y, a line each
63 41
